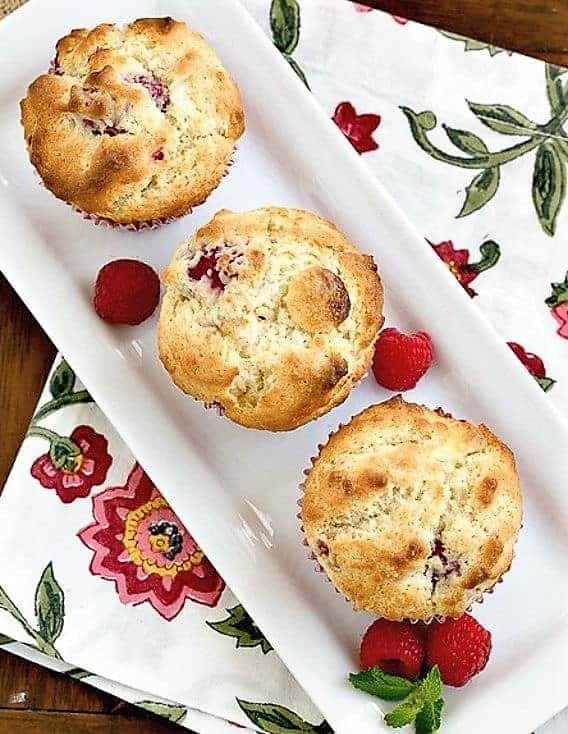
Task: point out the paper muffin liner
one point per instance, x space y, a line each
138 226
319 569
214 405
148 224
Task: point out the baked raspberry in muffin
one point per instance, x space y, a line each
411 513
271 314
133 124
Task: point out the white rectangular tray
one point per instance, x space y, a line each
237 489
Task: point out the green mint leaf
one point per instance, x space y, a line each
62 380
427 694
242 627
381 684
273 719
285 24
406 712
481 190
429 718
503 119
49 606
431 687
168 711
549 186
466 141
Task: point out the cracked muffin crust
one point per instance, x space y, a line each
412 513
271 315
133 123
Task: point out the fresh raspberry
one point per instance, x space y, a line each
207 265
401 360
459 647
395 647
126 292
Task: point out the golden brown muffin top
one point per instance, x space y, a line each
411 512
282 326
134 123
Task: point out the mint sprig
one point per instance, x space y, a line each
429 718
378 683
422 701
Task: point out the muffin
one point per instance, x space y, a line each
133 125
411 513
271 315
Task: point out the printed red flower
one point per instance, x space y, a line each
74 465
458 261
534 365
358 129
142 546
558 302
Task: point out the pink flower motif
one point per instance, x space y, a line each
360 8
358 129
142 546
558 303
560 313
70 472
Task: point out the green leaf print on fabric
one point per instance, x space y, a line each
546 383
470 44
503 119
242 627
62 380
297 69
275 719
77 673
483 188
49 606
549 185
5 640
50 610
61 387
285 27
549 140
554 89
466 141
169 711
285 24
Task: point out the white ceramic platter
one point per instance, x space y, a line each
236 489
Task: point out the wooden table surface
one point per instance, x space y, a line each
36 701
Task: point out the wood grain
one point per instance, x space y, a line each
35 701
534 27
38 701
25 357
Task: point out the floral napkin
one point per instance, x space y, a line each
112 588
